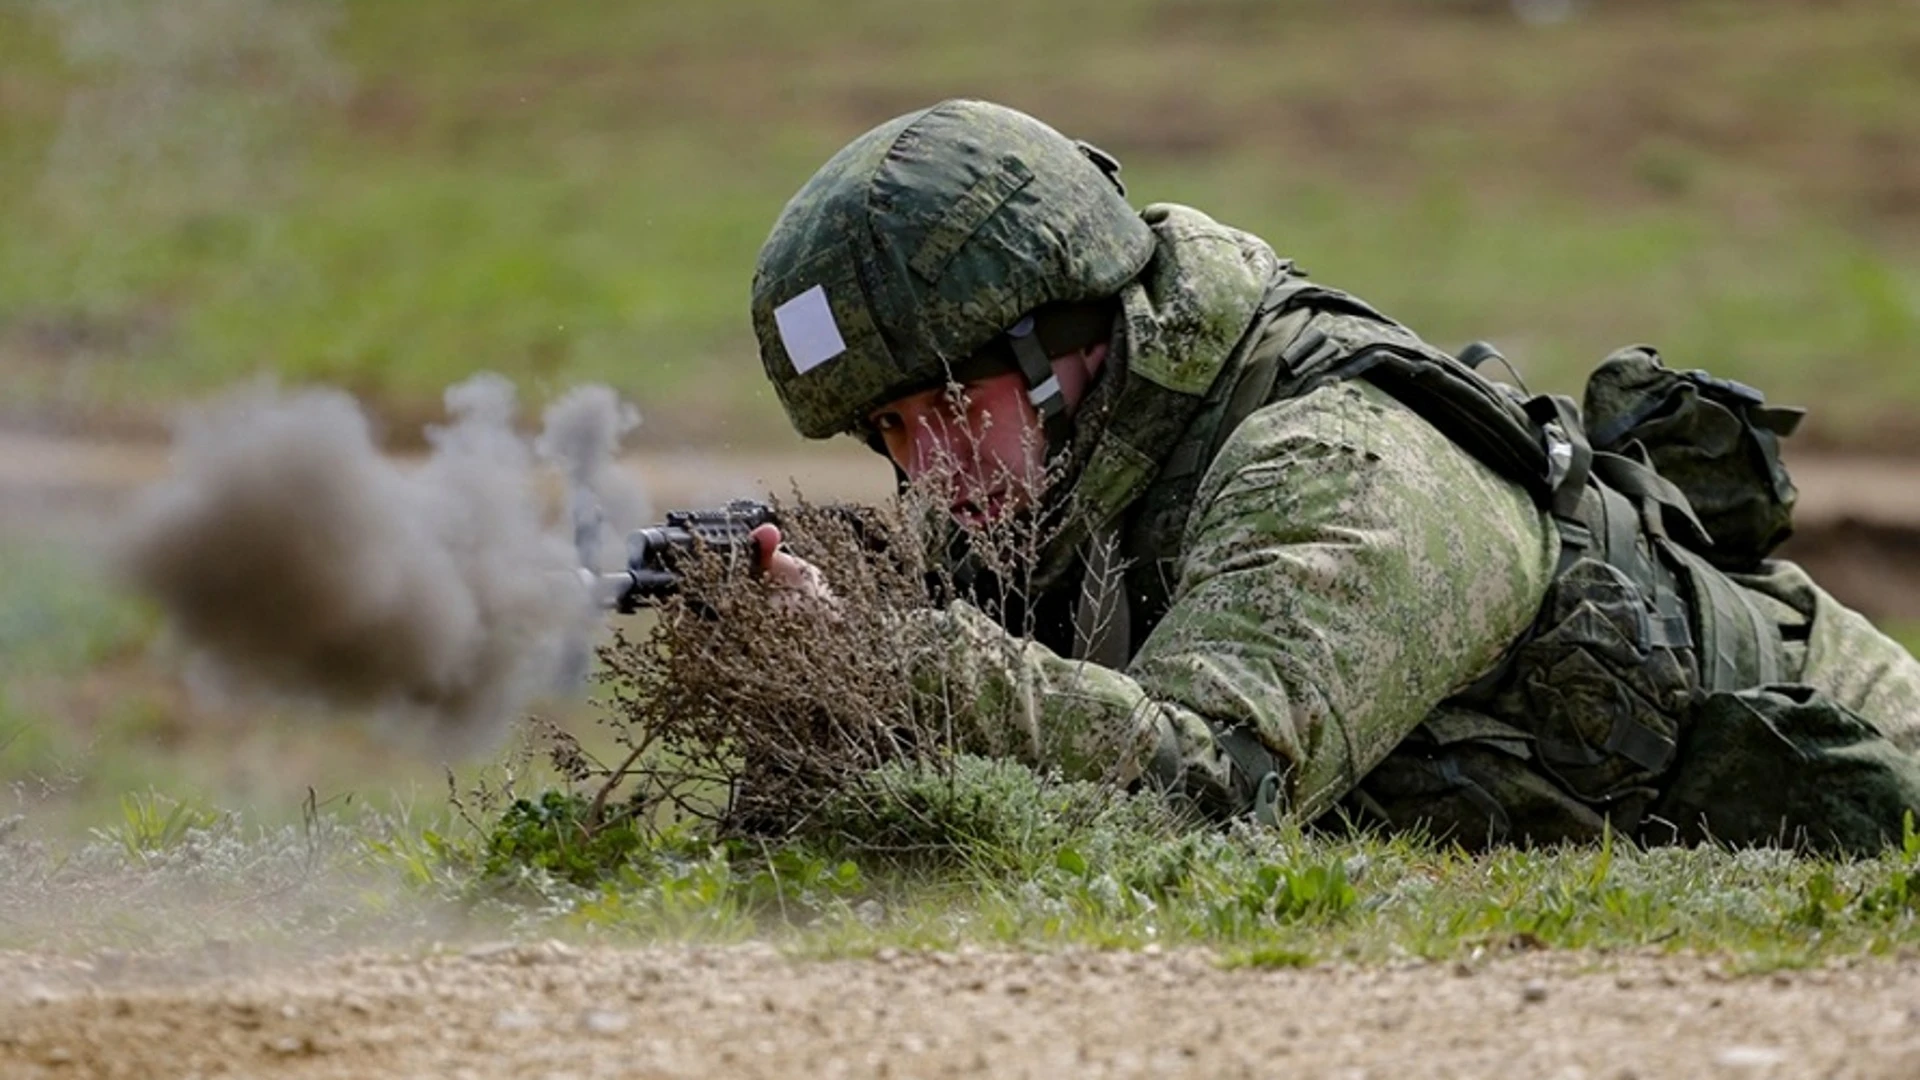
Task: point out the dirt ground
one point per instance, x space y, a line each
552 1011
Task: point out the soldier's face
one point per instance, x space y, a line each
981 441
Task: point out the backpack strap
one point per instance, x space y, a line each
1663 505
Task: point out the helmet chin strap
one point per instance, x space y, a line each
1043 386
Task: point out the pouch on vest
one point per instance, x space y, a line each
1601 686
1466 778
1716 440
1786 764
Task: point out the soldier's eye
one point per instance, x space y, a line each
886 422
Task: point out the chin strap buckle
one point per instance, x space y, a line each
1043 387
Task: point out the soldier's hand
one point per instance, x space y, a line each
786 571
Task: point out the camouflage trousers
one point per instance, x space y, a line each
1829 759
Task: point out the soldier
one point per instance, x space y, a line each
1302 562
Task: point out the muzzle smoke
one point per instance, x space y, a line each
583 429
299 561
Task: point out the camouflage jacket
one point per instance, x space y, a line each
1322 575
1323 591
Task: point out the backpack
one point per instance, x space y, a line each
1716 440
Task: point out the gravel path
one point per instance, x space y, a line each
553 1011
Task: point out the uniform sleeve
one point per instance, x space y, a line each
1345 568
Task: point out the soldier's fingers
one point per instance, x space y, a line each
766 543
780 569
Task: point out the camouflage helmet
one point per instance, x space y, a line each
924 240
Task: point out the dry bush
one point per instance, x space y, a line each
746 706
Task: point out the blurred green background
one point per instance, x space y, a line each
390 196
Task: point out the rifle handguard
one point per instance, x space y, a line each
656 554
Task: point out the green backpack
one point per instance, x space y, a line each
1715 440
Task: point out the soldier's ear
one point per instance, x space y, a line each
1107 162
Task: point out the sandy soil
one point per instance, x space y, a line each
553 1011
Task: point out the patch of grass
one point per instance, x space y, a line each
995 855
552 835
1266 956
152 824
177 875
1119 874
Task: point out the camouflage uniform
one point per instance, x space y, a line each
1344 570
1319 582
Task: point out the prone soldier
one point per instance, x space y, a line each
1337 570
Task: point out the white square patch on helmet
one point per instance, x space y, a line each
808 331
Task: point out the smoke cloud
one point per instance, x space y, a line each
583 429
298 560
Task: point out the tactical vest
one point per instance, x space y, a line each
1637 624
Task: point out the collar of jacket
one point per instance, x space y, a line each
1181 322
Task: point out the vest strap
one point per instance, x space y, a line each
1664 504
1253 761
1569 455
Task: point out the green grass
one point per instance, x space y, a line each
1013 862
1907 633
390 197
993 856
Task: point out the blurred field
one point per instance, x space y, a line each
391 196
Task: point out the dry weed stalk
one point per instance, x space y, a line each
745 706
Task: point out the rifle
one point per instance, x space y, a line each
656 554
